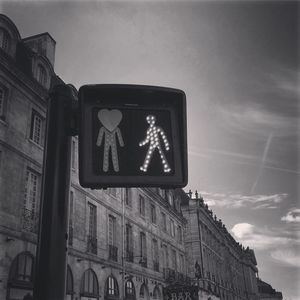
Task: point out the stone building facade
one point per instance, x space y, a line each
123 243
266 291
221 267
26 69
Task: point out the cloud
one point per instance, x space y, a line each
238 158
293 216
252 118
265 239
285 80
238 200
290 256
242 229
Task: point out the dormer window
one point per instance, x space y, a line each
42 75
4 40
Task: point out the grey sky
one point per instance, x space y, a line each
238 64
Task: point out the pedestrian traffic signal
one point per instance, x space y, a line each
132 136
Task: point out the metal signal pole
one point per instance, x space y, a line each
50 275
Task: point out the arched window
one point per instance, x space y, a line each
20 281
4 40
69 285
111 287
144 292
129 289
156 293
89 285
41 75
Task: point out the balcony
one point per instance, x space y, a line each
112 252
156 266
171 276
30 220
143 262
180 277
92 244
70 236
129 256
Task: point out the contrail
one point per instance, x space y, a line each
268 143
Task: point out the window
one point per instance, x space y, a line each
111 230
20 279
22 268
3 97
73 154
92 236
113 250
129 243
172 228
181 263
174 260
142 205
129 289
143 249
165 257
153 213
41 75
71 204
179 234
163 221
128 197
89 285
92 220
155 255
112 287
31 193
31 190
36 127
5 40
143 291
156 293
155 249
69 284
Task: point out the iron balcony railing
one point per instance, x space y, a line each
113 252
172 276
30 220
92 244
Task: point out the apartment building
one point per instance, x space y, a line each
220 266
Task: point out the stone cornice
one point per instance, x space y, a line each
7 63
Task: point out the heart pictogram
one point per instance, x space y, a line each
110 118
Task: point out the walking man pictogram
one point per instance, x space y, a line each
153 137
